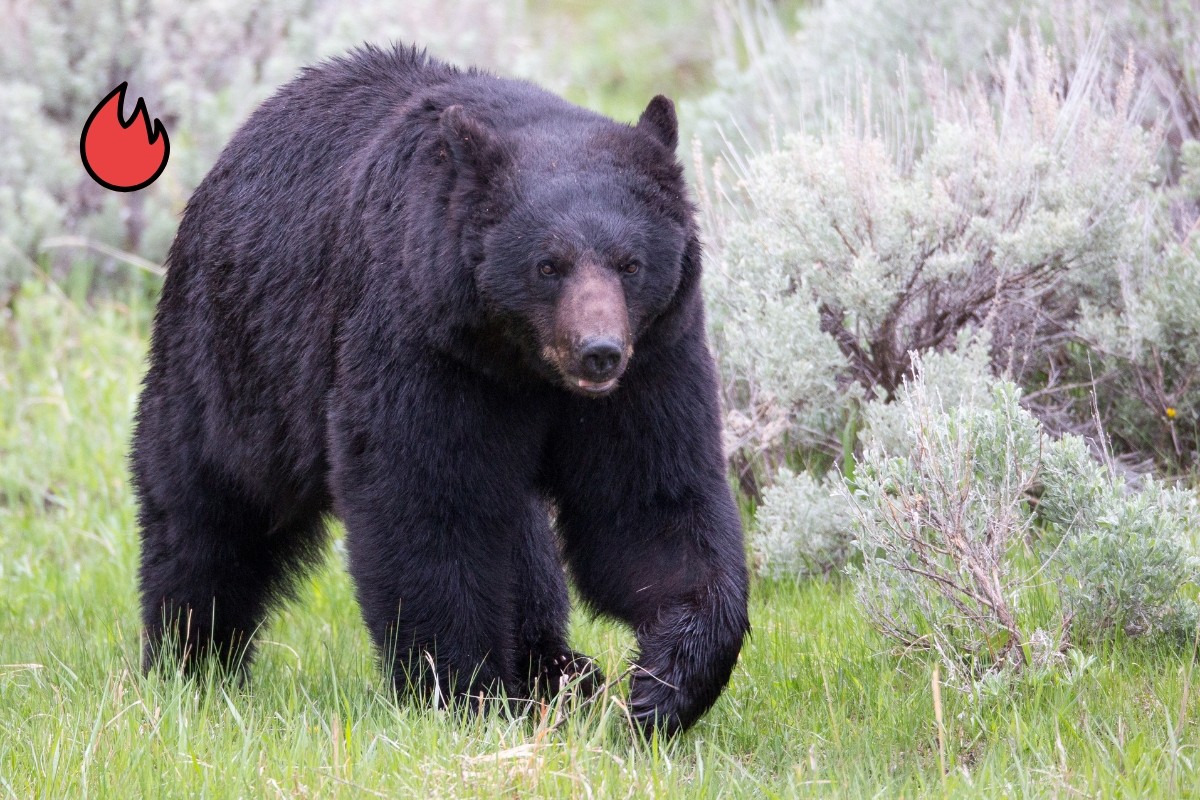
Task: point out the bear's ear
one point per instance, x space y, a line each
659 121
471 145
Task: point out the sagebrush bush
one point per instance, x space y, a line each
773 76
991 542
770 77
1143 354
1127 558
1039 193
837 255
960 378
938 520
802 526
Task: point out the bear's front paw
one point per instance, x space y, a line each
658 701
688 653
567 670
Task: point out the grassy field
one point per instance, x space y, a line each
818 706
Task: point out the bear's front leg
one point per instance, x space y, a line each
673 571
545 663
432 470
652 533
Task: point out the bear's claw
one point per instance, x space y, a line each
569 671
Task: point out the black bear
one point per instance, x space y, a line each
443 306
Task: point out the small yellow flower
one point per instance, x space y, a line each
1170 413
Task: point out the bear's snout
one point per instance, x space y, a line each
597 364
592 331
600 357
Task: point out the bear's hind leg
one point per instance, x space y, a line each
211 564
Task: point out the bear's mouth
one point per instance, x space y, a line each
560 361
592 388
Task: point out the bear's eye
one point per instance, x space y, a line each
546 267
630 267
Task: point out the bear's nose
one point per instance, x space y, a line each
600 357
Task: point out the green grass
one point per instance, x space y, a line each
819 705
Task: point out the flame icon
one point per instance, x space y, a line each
119 155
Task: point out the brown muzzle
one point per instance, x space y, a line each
591 345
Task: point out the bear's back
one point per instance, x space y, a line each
248 312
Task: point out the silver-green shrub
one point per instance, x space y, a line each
770 77
1127 559
961 377
1144 351
939 517
882 191
837 255
974 510
996 205
30 202
802 526
774 76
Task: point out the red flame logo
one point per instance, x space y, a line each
119 155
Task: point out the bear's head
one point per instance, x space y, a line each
584 246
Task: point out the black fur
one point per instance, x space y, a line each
357 319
